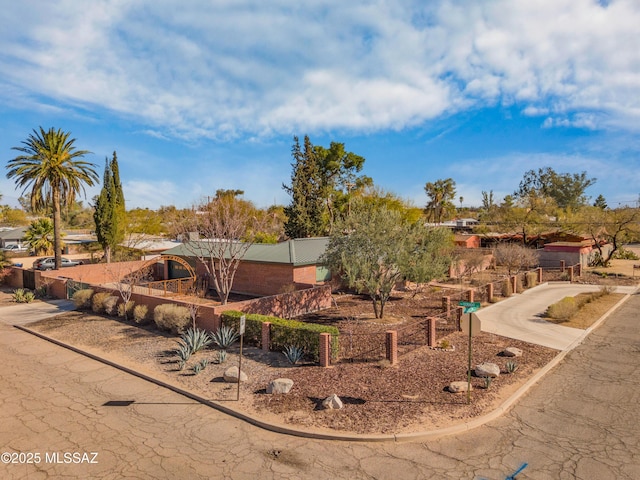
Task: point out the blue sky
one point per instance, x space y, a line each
200 95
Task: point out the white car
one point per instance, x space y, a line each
14 247
48 263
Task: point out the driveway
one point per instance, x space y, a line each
24 313
520 316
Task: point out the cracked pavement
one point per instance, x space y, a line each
580 422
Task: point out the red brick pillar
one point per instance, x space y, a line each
325 349
266 336
459 312
490 291
392 346
446 305
471 295
514 283
562 266
431 331
571 274
540 275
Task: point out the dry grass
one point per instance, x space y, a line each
590 312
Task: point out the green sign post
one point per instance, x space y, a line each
469 307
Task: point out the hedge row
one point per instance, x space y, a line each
283 332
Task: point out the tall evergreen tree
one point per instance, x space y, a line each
304 214
110 213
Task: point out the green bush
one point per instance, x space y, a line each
172 317
563 310
22 295
283 332
126 310
111 305
97 301
82 298
624 254
140 313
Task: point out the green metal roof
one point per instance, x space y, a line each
301 251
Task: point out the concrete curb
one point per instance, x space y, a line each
397 437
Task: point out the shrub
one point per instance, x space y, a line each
532 279
563 310
82 298
140 314
172 317
111 305
125 310
511 366
284 332
97 301
507 288
624 254
21 295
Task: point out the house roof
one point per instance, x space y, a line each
300 251
14 233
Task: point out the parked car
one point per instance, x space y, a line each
48 263
14 247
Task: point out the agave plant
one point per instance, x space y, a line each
224 337
196 339
293 354
197 368
222 356
183 352
511 366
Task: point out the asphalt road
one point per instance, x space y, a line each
580 422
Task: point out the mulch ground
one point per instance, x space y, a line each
378 398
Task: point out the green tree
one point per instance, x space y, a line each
304 213
431 254
54 171
441 194
374 247
110 212
601 202
567 190
338 178
39 236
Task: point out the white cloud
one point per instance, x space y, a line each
224 69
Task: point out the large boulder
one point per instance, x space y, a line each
231 375
459 387
280 385
487 369
512 352
332 402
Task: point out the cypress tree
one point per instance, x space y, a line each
304 214
109 215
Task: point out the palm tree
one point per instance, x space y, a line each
39 236
52 168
